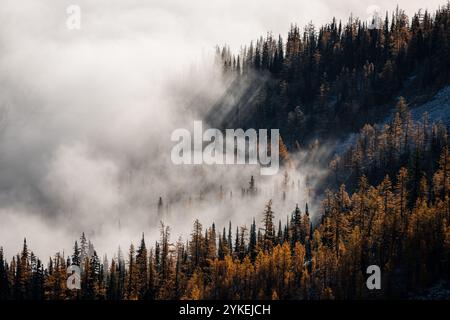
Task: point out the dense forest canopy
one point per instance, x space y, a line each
326 82
385 201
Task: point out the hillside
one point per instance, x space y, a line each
379 198
326 83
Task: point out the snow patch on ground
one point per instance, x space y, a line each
438 109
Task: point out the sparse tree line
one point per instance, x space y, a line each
380 150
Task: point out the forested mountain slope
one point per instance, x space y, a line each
327 82
384 201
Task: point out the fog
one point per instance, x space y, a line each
86 116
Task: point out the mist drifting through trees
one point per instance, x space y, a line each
203 232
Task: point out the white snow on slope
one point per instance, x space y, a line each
438 109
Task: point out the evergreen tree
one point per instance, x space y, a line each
269 230
142 269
